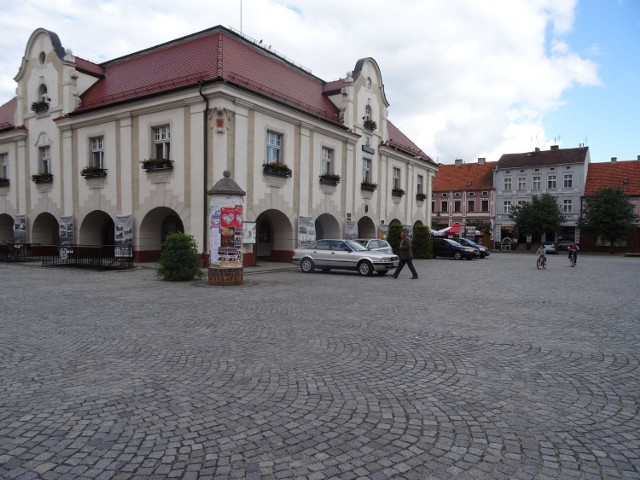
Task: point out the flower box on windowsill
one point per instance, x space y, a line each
368 186
370 124
421 197
42 178
397 192
155 164
4 182
93 172
276 169
330 178
40 107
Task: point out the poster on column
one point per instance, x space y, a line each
382 232
306 231
66 230
229 248
214 234
20 229
350 229
124 236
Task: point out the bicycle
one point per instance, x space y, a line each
542 263
572 258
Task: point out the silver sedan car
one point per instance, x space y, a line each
375 245
331 254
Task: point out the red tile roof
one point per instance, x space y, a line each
215 54
6 114
601 175
468 176
539 158
399 140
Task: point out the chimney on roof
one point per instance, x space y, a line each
483 160
458 162
555 147
639 158
537 149
614 159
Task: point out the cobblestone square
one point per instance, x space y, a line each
483 369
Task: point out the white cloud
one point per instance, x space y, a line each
464 78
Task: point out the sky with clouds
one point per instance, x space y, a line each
465 78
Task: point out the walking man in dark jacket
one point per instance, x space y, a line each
405 254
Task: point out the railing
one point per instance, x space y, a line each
20 252
100 257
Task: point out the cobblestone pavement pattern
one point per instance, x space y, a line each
484 369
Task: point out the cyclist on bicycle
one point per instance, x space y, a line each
573 250
542 252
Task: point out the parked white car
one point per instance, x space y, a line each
375 245
329 254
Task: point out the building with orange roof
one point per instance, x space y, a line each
463 194
143 137
623 174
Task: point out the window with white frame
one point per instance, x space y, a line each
568 180
366 170
274 147
507 183
162 142
551 181
521 202
471 206
457 205
97 152
567 206
420 184
45 159
485 205
537 182
507 206
327 160
522 183
444 206
4 165
433 206
396 178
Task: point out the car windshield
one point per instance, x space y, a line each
355 246
454 243
471 243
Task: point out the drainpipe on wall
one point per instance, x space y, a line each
205 220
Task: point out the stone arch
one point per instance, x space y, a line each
97 228
45 230
6 228
274 236
154 228
327 227
366 228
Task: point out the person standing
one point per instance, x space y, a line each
406 256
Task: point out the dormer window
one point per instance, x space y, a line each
41 104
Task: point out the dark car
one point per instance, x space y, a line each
482 250
445 247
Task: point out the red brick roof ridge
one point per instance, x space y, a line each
457 177
602 175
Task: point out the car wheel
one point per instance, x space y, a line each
457 256
365 268
306 265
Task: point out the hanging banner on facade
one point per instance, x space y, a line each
124 236
382 232
249 232
20 229
350 229
306 230
226 225
66 228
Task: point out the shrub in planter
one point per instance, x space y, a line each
393 237
179 259
421 243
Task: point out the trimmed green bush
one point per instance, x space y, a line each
421 242
179 259
393 236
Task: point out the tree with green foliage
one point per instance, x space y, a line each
607 213
393 236
179 258
421 242
540 215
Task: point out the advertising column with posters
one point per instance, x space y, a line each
226 221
